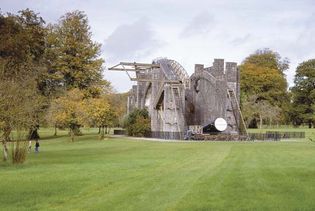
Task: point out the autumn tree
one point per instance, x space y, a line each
303 94
262 76
118 102
74 62
19 103
72 57
55 116
268 59
22 47
101 113
68 111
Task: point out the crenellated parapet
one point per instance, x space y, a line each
209 94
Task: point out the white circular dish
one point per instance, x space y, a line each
220 124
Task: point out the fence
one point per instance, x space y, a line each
275 135
215 136
267 136
166 135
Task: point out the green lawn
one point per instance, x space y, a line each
125 174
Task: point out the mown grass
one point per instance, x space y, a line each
126 174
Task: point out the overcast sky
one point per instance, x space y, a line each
189 32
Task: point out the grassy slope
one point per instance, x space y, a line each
137 175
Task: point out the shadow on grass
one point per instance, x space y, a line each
53 137
66 135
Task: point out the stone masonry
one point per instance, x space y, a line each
209 93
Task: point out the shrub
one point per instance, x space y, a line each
19 152
138 123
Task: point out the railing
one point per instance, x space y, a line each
268 136
275 135
166 135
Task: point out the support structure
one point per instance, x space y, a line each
177 102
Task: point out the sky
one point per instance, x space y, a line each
190 32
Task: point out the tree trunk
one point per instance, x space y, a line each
260 122
99 130
102 131
72 135
310 124
6 137
55 134
5 150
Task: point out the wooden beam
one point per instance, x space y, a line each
125 69
140 64
155 80
133 66
158 96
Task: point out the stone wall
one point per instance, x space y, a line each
173 107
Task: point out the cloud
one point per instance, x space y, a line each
227 29
200 24
131 41
241 40
306 39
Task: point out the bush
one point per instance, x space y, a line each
138 123
19 152
75 129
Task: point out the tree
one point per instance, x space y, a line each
19 103
268 59
262 76
73 63
22 44
138 123
39 65
72 57
68 111
55 116
101 114
118 103
261 110
303 94
21 66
